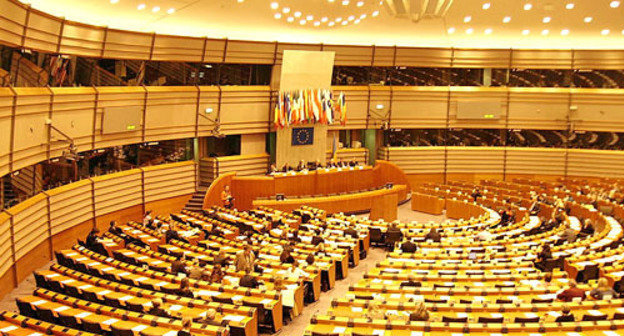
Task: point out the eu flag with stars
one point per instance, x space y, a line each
302 136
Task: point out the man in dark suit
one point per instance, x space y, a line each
221 259
157 309
408 247
350 231
177 266
249 281
114 229
433 235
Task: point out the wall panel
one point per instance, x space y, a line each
531 108
357 106
419 107
12 19
177 48
171 112
351 55
129 97
598 110
472 94
73 110
245 52
423 57
30 224
245 109
596 163
480 160
121 44
481 58
158 180
43 31
31 132
6 110
70 205
80 39
116 191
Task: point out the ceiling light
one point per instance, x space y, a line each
331 23
302 22
528 6
605 32
324 19
338 19
344 23
170 10
363 16
622 31
297 14
525 32
565 32
360 3
317 23
310 17
345 2
451 30
240 1
278 15
545 32
155 9
588 19
114 1
290 19
375 13
141 7
486 5
356 21
614 4
351 18
467 19
330 0
546 19
469 31
274 5
285 10
506 19
570 6
488 31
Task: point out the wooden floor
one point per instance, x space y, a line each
296 327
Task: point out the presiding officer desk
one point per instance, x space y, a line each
349 189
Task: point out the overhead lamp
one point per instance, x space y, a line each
285 10
588 19
290 19
170 10
360 3
274 5
302 22
451 30
506 19
375 13
525 32
486 6
528 6
467 19
469 31
545 32
570 5
297 14
356 21
614 4
546 19
114 1
155 9
417 10
605 32
488 31
565 32
278 15
141 6
317 23
324 19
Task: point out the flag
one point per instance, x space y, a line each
334 148
316 105
343 108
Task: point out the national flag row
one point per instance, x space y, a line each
309 106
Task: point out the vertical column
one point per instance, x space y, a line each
487 77
370 142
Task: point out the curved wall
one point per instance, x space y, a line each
178 112
438 164
22 26
54 219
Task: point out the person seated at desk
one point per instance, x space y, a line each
566 315
93 240
272 169
248 280
568 235
351 231
543 256
286 168
353 163
434 236
318 164
602 290
302 166
420 312
317 239
216 275
157 309
195 271
408 247
184 289
177 267
588 228
245 260
476 193
572 292
147 217
187 322
210 318
310 259
226 198
286 257
296 272
172 233
221 259
114 229
535 207
374 312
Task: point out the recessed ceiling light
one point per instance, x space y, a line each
351 18
331 23
565 32
605 32
274 5
114 1
486 5
525 32
467 19
285 10
155 9
360 3
240 1
302 22
363 16
324 19
570 6
375 13
297 14
356 21
278 15
345 2
488 31
338 19
344 23
527 6
622 31
588 19
310 17
317 23
545 32
330 0
469 31
506 19
451 30
171 10
614 4
141 7
546 19
290 19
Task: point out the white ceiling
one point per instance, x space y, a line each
255 20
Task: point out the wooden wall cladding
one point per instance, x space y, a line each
350 154
30 230
508 161
243 165
23 26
